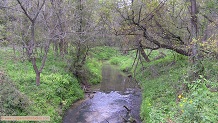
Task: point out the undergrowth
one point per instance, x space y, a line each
57 91
168 96
103 52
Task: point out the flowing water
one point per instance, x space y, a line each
107 104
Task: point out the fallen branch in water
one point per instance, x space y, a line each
127 108
128 115
88 91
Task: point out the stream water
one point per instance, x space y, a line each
107 104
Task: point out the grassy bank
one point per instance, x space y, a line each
20 95
58 89
168 93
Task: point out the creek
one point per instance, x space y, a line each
107 104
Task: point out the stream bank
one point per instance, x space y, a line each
116 99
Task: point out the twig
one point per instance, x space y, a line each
127 108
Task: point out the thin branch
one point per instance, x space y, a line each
210 20
137 51
140 11
139 55
151 15
24 10
39 11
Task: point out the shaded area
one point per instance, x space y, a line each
106 105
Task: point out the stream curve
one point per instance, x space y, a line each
107 105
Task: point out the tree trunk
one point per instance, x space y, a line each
31 44
38 78
56 47
36 71
61 47
14 50
144 55
194 30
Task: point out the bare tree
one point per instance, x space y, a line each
36 13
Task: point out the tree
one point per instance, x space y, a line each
194 30
162 24
149 20
60 13
85 29
32 17
37 14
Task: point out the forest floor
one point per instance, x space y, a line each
169 94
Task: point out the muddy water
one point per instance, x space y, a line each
107 104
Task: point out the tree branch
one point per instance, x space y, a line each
24 10
39 10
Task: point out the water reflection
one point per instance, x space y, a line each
115 91
114 80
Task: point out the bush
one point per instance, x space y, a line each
12 101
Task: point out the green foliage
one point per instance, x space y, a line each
146 105
211 4
115 60
200 104
161 91
103 53
162 80
57 91
125 62
93 67
211 69
11 99
2 31
163 88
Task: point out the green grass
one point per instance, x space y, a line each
57 91
162 81
93 67
125 62
103 53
